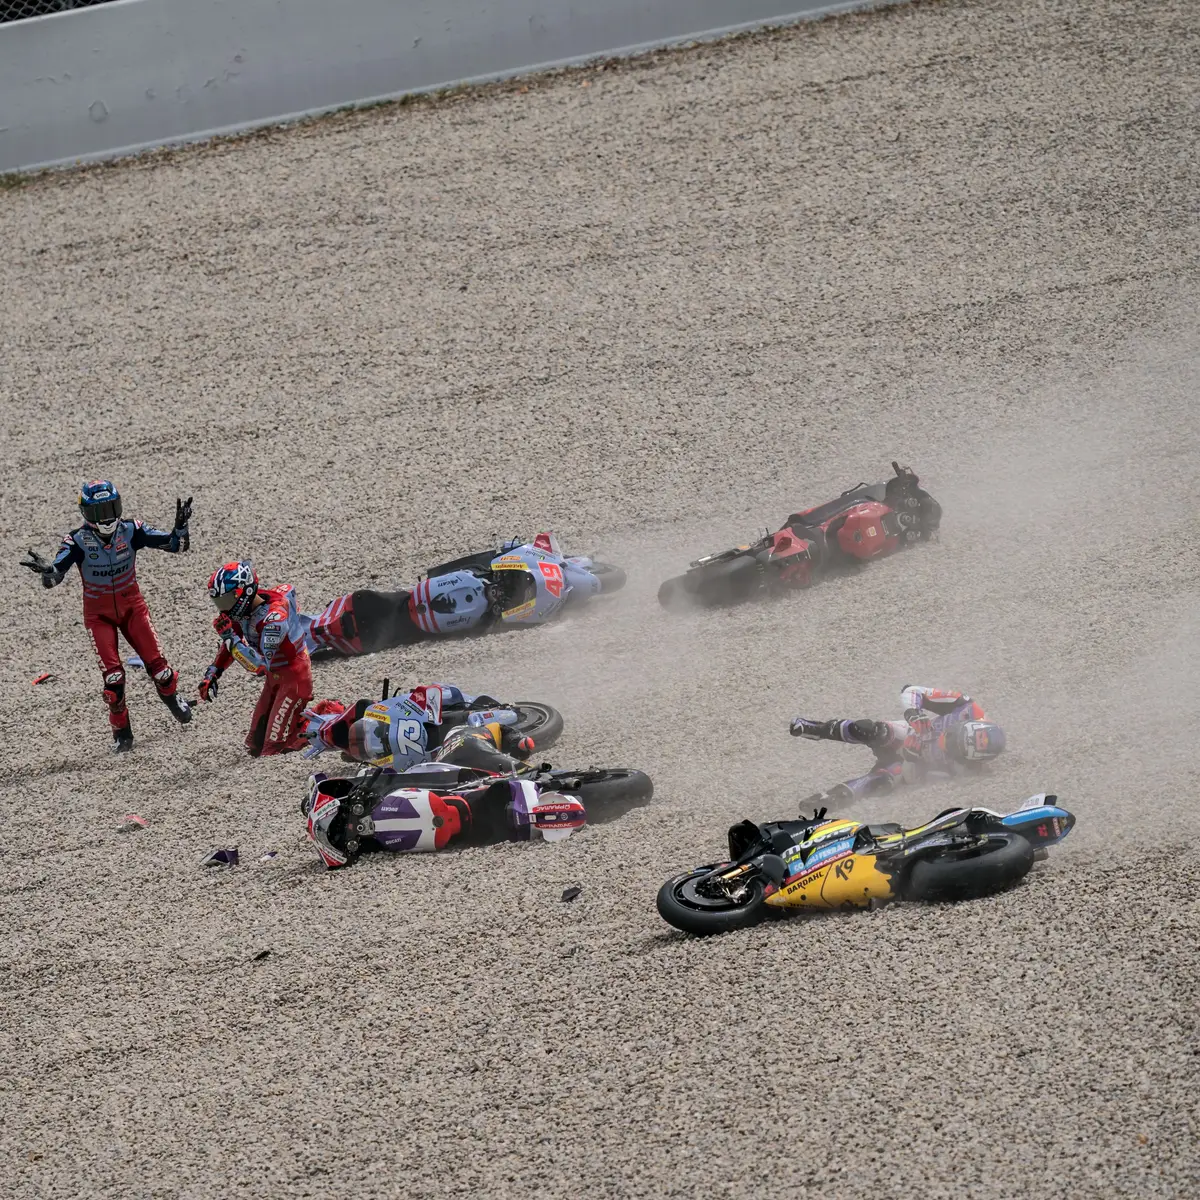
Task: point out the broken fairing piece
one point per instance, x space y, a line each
130 822
221 858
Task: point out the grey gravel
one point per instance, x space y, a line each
656 309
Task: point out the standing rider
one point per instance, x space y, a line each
261 629
104 548
943 733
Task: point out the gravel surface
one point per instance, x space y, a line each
656 309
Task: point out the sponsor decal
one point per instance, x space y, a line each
554 578
805 881
522 610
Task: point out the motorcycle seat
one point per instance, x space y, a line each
884 830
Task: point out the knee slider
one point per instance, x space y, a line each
114 689
165 681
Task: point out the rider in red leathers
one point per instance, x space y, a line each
104 549
261 629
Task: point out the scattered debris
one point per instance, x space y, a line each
44 678
130 822
269 856
135 660
220 858
261 955
571 893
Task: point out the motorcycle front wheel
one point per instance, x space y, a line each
539 721
688 904
970 872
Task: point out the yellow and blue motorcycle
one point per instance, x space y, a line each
827 863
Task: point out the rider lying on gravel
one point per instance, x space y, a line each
943 733
407 729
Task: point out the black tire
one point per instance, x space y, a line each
676 595
729 582
612 579
538 721
600 789
957 873
680 905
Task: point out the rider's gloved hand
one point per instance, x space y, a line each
35 562
223 624
183 514
208 684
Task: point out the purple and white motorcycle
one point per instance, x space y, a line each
439 804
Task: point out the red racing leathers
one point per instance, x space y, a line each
269 643
113 603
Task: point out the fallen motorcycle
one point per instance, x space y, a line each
962 854
406 727
865 522
436 804
522 583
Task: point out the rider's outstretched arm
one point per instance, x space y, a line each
69 554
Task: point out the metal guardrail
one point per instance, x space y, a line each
118 78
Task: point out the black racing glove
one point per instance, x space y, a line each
35 562
183 514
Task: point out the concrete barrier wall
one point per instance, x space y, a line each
101 82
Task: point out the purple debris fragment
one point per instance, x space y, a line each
220 858
571 893
134 660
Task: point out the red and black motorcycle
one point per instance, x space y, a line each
866 521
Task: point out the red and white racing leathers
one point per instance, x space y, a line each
113 603
270 643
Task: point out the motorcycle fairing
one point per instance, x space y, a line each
448 603
555 579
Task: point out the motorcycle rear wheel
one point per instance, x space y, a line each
675 595
679 904
612 579
969 873
726 581
598 788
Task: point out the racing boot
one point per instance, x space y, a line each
122 739
166 682
817 731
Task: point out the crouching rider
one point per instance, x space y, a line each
260 629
